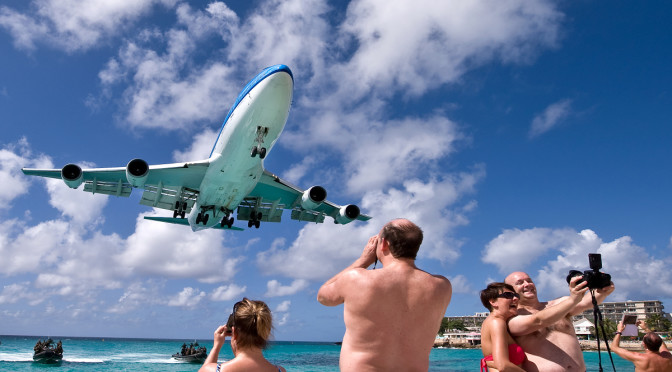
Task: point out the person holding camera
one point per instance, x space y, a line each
249 327
549 347
392 314
655 358
501 351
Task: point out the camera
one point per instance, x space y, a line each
594 277
229 324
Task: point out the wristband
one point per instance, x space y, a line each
618 333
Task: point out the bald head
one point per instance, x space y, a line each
404 238
652 341
523 285
515 276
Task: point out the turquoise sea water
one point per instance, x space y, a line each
96 354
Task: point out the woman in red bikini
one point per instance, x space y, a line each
499 348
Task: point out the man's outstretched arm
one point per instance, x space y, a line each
524 324
331 293
587 302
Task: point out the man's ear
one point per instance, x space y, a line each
384 246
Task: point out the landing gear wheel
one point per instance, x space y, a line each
205 218
199 216
175 213
254 151
230 222
262 153
257 224
182 214
250 223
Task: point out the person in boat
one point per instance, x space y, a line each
59 347
500 350
249 327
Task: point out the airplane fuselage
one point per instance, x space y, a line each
249 132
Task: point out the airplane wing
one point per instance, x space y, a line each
163 185
272 194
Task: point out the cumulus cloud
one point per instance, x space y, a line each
550 118
188 297
227 292
73 25
635 273
283 306
13 157
168 90
172 251
275 289
460 284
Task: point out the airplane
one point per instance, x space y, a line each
232 179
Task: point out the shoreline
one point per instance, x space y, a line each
586 345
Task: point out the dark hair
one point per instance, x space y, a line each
252 321
404 238
492 291
652 341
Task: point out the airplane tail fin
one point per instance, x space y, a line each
183 221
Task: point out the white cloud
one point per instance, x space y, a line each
551 117
168 89
515 249
172 251
13 157
227 292
636 274
73 25
321 251
188 297
439 40
283 319
283 306
200 147
275 289
460 284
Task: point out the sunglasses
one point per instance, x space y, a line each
232 318
508 295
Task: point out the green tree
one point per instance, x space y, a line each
658 323
451 324
609 328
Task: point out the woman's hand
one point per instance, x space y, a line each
220 334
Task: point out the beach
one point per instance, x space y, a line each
115 354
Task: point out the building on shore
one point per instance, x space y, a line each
470 321
614 310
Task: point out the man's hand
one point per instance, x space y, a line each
642 324
620 327
368 256
576 291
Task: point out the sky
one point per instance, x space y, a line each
519 135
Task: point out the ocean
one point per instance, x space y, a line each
115 354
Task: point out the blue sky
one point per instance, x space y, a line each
519 135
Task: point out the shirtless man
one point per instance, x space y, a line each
655 358
392 314
553 348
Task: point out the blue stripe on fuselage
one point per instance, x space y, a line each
268 71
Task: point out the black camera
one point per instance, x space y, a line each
594 277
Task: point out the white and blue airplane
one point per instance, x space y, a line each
232 179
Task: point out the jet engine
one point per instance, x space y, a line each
137 171
72 175
313 197
347 214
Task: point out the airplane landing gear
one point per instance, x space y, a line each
258 149
180 209
255 219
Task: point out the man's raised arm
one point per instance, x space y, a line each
331 292
524 324
587 301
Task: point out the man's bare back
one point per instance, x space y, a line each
391 315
